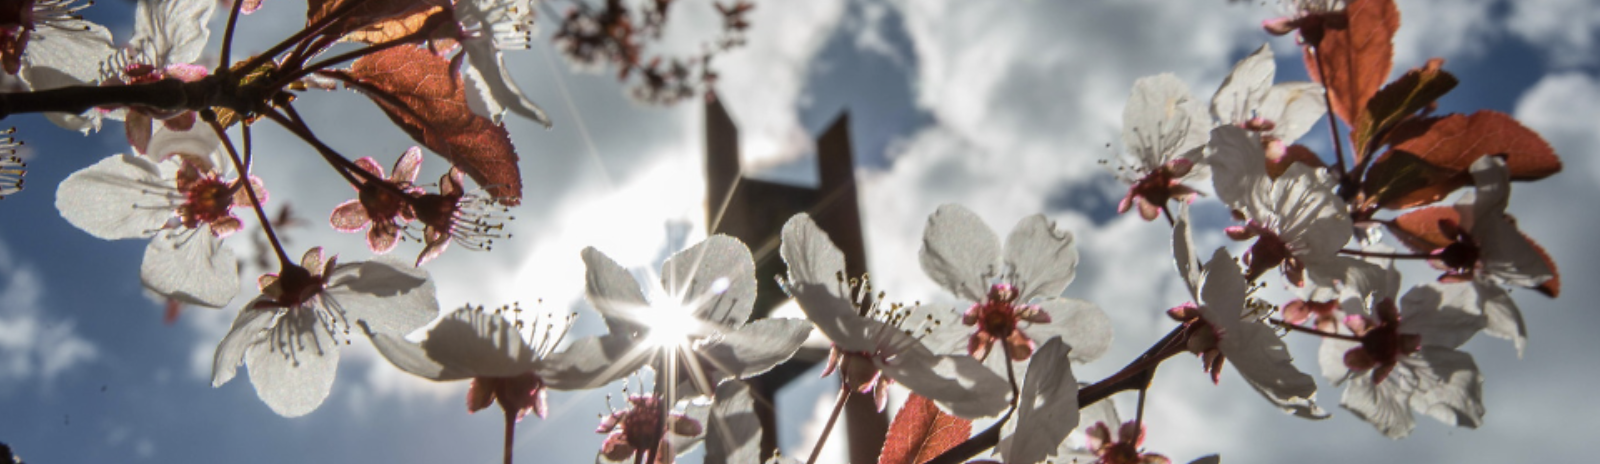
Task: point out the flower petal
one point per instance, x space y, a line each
959 383
592 362
613 292
1262 358
816 273
1047 410
191 266
407 167
387 295
733 433
715 278
757 347
171 31
1241 93
116 198
293 367
1043 258
1452 389
1383 405
1080 324
1238 165
479 344
1294 108
1445 315
490 89
960 252
1161 120
248 327
349 216
1183 252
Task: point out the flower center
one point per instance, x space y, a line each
641 427
206 200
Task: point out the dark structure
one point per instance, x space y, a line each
754 211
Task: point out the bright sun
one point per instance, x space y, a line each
670 325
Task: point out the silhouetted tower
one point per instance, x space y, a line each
754 211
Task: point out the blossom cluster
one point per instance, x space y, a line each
1322 259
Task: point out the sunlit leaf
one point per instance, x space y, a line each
1454 141
394 28
921 432
1419 229
1356 56
1412 92
1400 180
418 92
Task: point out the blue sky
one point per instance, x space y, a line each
1002 106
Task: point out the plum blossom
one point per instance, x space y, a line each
1165 129
694 326
485 27
1276 115
1225 325
1309 17
640 430
48 45
455 215
870 348
485 346
288 336
379 206
1485 250
1395 360
1016 294
1299 223
182 198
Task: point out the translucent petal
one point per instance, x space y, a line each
1238 165
1445 315
1453 389
1081 324
960 252
1383 405
1048 407
122 196
1161 120
958 383
491 89
171 31
249 326
192 266
387 295
475 343
1294 108
200 142
715 278
293 367
1241 93
1183 252
612 291
592 362
1043 258
758 346
1262 358
815 269
733 433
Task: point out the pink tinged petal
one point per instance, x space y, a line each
248 327
1047 409
366 163
382 238
1019 346
182 122
978 345
1043 258
480 395
293 367
241 199
385 295
1081 324
1240 233
119 197
1127 202
137 127
225 226
960 252
960 384
1154 459
349 216
717 276
194 268
815 269
407 167
539 403
434 248
1147 210
616 448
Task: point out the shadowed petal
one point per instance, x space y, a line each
1048 407
116 198
1080 324
716 277
293 367
1043 257
248 327
960 252
194 267
388 295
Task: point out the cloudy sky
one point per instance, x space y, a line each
1003 106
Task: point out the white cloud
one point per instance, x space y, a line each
33 345
763 80
1569 30
1562 107
1444 28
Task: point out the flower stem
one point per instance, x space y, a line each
249 188
1376 254
227 35
1333 126
827 428
511 432
427 28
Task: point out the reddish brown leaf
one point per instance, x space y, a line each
1400 180
368 13
921 432
1356 56
1552 287
1419 229
394 28
1455 141
420 95
1407 95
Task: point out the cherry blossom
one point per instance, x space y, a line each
870 348
1299 223
485 28
1225 325
380 207
455 215
1047 407
694 325
1309 17
1016 294
1406 359
1276 115
181 197
1487 251
48 45
1165 129
471 343
289 336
